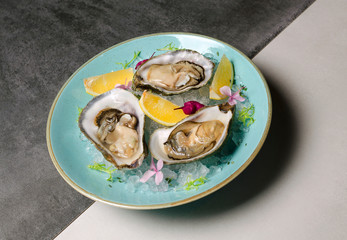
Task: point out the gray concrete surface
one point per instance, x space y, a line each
43 42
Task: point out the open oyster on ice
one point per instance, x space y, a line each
114 122
194 137
174 72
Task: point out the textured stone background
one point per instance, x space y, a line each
43 42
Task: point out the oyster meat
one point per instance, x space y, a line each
174 72
114 122
194 137
191 139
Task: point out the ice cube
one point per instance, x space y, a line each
169 173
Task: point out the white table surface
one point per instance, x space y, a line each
297 186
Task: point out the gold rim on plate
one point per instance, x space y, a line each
163 205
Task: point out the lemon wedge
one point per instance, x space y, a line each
100 84
224 76
160 110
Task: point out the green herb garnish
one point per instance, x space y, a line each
244 87
246 115
168 47
101 168
243 90
126 63
169 180
119 180
79 113
194 184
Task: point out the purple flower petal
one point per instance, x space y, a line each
142 62
158 177
118 85
124 86
226 91
239 98
154 171
147 176
129 84
121 86
191 107
232 101
152 166
160 164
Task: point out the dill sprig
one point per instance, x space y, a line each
168 47
126 63
102 168
194 184
79 113
246 115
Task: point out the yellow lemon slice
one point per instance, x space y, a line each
224 76
100 84
160 110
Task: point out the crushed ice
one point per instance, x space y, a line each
176 176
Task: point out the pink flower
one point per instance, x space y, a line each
142 62
191 107
232 97
154 171
124 86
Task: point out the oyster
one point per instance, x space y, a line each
174 72
114 122
194 137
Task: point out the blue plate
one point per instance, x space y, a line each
68 150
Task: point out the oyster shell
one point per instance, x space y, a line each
114 122
174 72
194 137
